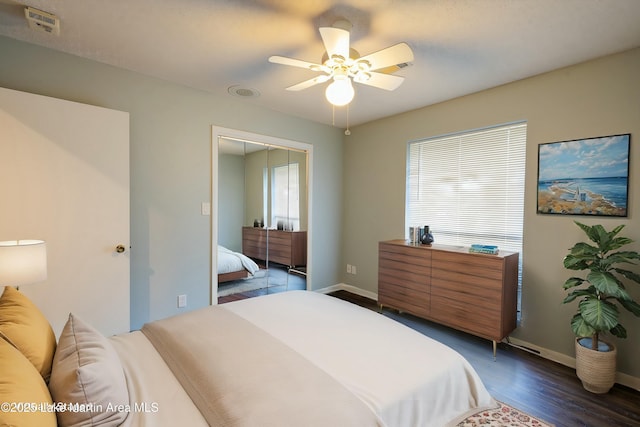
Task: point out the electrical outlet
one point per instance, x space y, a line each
353 269
349 268
205 208
182 301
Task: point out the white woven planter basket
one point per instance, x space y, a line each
596 369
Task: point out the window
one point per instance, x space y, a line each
286 197
469 187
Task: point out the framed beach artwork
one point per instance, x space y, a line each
584 176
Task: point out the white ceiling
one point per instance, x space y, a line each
460 46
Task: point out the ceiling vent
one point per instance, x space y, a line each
42 21
243 92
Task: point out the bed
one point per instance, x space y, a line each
296 358
234 265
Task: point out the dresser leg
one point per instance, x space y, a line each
495 349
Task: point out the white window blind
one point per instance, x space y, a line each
469 187
286 196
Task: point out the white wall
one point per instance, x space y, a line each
597 98
171 168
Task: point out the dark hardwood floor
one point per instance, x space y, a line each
542 388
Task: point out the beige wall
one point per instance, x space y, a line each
231 196
597 98
253 196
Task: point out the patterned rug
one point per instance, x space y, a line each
503 416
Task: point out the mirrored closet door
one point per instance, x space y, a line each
262 218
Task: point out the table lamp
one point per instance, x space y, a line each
22 262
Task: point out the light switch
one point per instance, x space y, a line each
206 208
182 301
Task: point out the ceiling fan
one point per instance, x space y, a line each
344 65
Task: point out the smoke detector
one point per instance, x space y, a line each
40 20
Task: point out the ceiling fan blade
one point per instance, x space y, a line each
336 41
308 83
382 81
295 63
396 54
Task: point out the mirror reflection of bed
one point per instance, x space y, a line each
247 278
262 198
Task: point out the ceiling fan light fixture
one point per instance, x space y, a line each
340 92
345 66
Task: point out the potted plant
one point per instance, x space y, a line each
599 294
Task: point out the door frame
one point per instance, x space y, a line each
218 132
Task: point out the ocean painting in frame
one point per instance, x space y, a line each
584 176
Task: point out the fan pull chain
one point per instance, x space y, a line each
347 131
333 115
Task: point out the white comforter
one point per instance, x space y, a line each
229 261
407 378
402 376
152 387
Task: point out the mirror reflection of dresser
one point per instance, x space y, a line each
282 246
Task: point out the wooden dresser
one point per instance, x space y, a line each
475 293
284 247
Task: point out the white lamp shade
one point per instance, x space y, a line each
22 262
340 92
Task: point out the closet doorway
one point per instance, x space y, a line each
260 215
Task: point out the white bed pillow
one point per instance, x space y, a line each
87 371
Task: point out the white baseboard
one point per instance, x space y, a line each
563 359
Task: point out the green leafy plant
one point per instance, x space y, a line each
603 287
